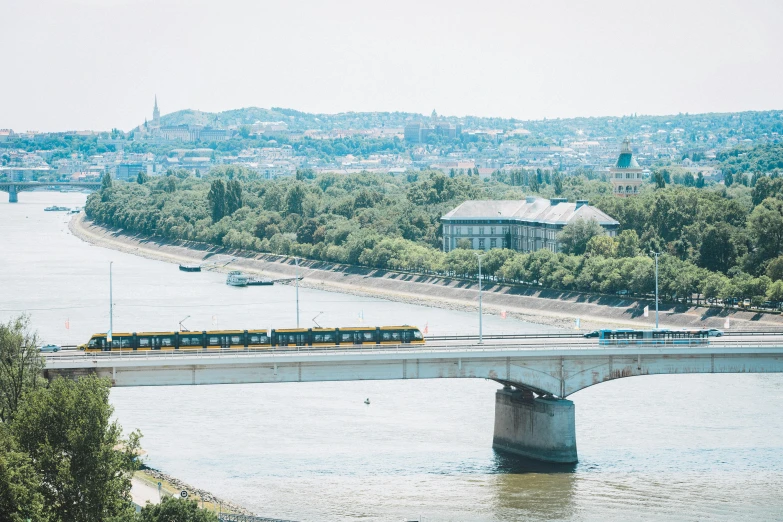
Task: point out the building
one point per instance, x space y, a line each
129 171
525 226
626 175
156 115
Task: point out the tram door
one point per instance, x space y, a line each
406 336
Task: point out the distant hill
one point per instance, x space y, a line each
692 127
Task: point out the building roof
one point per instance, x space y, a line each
626 159
540 210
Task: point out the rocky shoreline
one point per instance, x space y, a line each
206 496
545 307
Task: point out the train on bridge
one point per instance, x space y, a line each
253 339
657 336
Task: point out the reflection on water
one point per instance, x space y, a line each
677 447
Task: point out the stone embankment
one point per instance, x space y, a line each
193 492
547 307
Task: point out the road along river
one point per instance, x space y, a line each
686 447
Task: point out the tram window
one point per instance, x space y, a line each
258 339
144 342
93 343
235 339
328 337
345 337
417 335
367 336
122 342
318 338
184 341
214 341
385 336
395 336
166 341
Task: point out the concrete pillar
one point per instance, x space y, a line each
12 194
536 428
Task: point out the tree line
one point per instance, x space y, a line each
62 457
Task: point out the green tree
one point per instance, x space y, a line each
217 200
575 236
84 464
659 180
294 199
628 244
106 186
21 365
718 251
775 291
233 196
142 178
175 510
766 229
20 498
557 183
171 185
602 245
775 269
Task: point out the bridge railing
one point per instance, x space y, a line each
283 352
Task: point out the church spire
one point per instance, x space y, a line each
156 113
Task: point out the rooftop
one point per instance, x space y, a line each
530 209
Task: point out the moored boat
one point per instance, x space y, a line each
190 268
236 278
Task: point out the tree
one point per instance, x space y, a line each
575 236
628 244
20 498
217 200
557 182
21 365
775 291
142 178
84 464
175 510
294 199
775 269
171 185
659 180
306 231
717 251
766 229
728 179
106 186
602 245
233 196
700 180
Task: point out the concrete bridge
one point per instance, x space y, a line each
14 187
533 417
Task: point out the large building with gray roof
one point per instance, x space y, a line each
523 225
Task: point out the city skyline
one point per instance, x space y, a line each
513 61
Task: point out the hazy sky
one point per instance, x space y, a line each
96 64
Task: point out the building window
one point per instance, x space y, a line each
481 231
492 230
470 231
493 243
481 243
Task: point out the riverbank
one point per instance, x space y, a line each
145 489
546 307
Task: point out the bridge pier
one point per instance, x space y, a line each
535 427
13 196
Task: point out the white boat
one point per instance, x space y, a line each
236 278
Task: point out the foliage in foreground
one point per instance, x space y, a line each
175 510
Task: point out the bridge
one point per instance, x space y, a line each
14 187
533 416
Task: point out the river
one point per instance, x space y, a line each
689 447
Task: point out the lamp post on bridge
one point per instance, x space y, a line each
656 254
297 291
481 318
111 306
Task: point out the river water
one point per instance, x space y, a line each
688 447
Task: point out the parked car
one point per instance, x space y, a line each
50 348
714 332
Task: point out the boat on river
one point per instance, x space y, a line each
255 281
236 278
56 209
190 268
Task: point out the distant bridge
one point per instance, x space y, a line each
533 418
14 187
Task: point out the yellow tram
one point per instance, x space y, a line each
254 339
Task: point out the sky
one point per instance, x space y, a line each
97 64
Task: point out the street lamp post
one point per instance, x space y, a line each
297 291
481 318
111 305
656 254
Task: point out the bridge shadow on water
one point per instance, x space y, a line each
510 464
